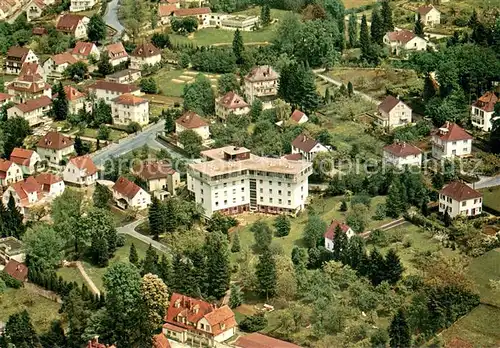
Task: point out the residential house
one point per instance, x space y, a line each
35 9
9 172
191 120
393 113
116 53
482 111
108 91
198 322
457 198
231 180
400 154
28 160
16 270
124 76
129 195
74 25
9 7
25 194
429 15
86 51
329 235
307 147
81 5
258 340
27 87
298 117
58 63
51 185
261 83
54 148
39 31
11 248
165 11
202 14
32 111
128 108
33 69
451 140
76 100
81 171
161 341
144 54
6 99
16 57
158 176
231 103
404 40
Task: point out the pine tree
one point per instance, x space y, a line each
265 15
265 271
55 337
352 30
473 20
386 15
3 221
339 243
350 89
356 252
78 146
218 264
328 97
156 218
396 199
429 88
238 47
282 225
60 104
165 270
20 332
100 251
376 267
447 219
419 26
150 262
132 256
376 29
235 299
169 123
169 213
343 205
399 331
102 197
14 219
393 267
364 39
235 247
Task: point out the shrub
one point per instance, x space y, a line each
378 238
120 240
133 127
397 236
254 323
361 199
10 281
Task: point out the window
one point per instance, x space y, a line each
234 183
234 199
475 201
225 202
202 201
261 190
289 202
279 183
234 191
270 199
242 181
280 201
464 203
302 188
201 191
216 204
270 191
454 143
270 182
262 199
242 198
216 195
260 181
289 193
225 193
225 184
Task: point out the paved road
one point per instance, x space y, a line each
111 18
487 181
130 230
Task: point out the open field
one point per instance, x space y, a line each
171 82
483 269
42 311
71 274
491 198
357 3
113 135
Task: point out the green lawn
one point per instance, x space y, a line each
491 197
71 274
164 80
113 135
483 269
42 311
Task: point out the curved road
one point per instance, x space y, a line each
111 18
130 230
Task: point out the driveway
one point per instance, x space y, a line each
130 230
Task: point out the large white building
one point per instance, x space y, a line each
232 180
450 141
81 5
129 108
482 111
400 154
261 83
108 91
457 198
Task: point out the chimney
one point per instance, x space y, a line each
304 139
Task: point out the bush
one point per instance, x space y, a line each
397 236
361 199
120 240
380 212
133 127
378 238
3 286
407 243
10 281
254 323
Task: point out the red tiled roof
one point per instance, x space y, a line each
262 73
5 96
34 104
403 36
126 187
165 10
459 191
84 162
82 48
402 149
116 50
304 143
232 101
63 58
129 99
68 22
39 31
160 341
454 132
258 340
389 103
21 157
191 120
114 86
487 102
330 231
47 179
297 115
4 167
54 141
182 12
146 50
18 52
293 157
153 170
29 69
423 10
72 93
16 270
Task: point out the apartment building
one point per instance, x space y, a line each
393 113
16 57
262 83
482 111
32 111
108 91
457 198
231 103
128 108
400 154
231 180
451 140
81 5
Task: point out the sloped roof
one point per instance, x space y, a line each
29 68
21 157
63 58
389 103
47 179
116 50
17 52
16 270
165 10
304 143
153 170
330 231
68 22
423 10
126 187
191 120
114 86
460 191
262 73
297 115
258 340
72 93
5 96
454 132
403 36
402 149
34 104
55 141
39 31
487 102
84 162
232 100
146 50
293 157
4 167
129 99
83 48
160 341
181 12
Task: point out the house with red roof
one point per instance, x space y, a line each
55 147
298 117
230 103
5 99
393 113
85 51
429 15
189 319
458 198
258 340
128 108
32 110
308 147
16 270
76 99
262 83
165 11
33 68
161 341
129 195
404 40
482 111
400 154
191 120
108 91
329 235
159 176
143 55
51 185
451 140
74 25
16 57
81 171
54 66
116 53
27 160
10 172
202 14
30 84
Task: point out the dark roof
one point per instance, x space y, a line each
17 52
486 102
452 132
304 143
181 12
68 22
402 149
191 120
293 156
16 270
145 50
330 231
153 170
34 104
459 191
389 103
423 10
54 141
126 187
403 36
258 340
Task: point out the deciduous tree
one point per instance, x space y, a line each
191 142
199 96
155 295
314 230
262 235
96 29
102 197
43 247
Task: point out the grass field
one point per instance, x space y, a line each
113 135
42 311
71 274
357 3
491 197
483 269
171 82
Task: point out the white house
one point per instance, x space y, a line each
457 198
54 148
400 154
202 14
81 5
81 171
16 57
128 194
35 9
158 177
330 233
86 50
393 113
298 117
307 147
482 111
9 172
29 86
429 15
51 185
451 140
6 99
192 121
230 103
145 54
108 91
165 12
262 83
55 65
32 111
116 53
124 76
76 100
74 25
404 40
129 108
27 160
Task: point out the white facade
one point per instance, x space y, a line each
469 207
431 18
416 43
401 161
262 83
79 176
13 173
14 67
54 156
138 62
34 117
203 131
81 5
482 119
141 199
398 116
329 242
108 94
448 149
29 165
124 112
34 10
56 189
